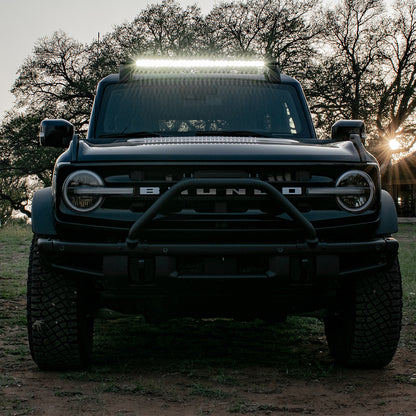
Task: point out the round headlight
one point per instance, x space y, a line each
78 191
357 191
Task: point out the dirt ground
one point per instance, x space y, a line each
194 368
259 392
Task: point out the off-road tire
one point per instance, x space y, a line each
364 329
59 327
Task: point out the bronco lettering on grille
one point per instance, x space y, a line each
155 190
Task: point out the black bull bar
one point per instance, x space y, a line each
310 233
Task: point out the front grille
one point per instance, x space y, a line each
222 213
151 182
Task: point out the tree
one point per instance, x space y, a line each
167 29
57 80
395 118
24 165
279 30
345 79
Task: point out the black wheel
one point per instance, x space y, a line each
365 329
59 327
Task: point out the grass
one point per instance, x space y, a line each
218 348
243 407
208 354
209 392
407 239
14 252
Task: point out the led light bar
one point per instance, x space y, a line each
269 69
197 63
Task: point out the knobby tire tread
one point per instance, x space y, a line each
60 333
366 331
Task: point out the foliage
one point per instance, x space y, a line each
366 70
397 104
57 80
345 80
274 29
24 166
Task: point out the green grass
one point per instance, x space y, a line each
226 378
244 407
407 257
14 252
15 232
208 392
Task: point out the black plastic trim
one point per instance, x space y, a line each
50 245
43 217
388 215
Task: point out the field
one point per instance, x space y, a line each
189 367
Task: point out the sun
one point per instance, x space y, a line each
394 144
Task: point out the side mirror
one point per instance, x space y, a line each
343 129
55 133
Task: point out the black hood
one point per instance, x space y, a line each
216 149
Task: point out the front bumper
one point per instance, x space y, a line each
211 280
327 259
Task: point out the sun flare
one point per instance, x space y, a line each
394 144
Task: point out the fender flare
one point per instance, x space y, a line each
43 218
388 215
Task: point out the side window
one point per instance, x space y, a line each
291 121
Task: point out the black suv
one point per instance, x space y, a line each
206 193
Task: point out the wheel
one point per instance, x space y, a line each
59 328
364 330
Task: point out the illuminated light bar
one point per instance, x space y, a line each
270 69
197 63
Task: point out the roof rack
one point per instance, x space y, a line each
270 68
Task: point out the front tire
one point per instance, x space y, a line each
364 330
59 327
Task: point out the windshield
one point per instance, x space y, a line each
201 106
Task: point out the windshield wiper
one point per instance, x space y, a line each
137 134
236 133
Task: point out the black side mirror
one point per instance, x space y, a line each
343 129
55 133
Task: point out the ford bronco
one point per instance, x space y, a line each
202 190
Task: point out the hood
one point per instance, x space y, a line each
216 149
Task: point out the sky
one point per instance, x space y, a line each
23 22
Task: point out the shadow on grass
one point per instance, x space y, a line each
296 347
